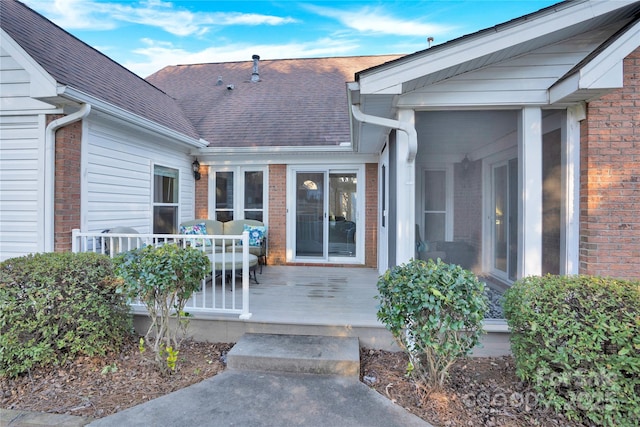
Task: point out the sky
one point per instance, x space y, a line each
147 35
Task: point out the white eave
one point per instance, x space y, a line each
485 46
41 83
600 74
129 117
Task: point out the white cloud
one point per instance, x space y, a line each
97 15
158 55
377 20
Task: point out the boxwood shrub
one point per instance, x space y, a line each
55 306
434 311
576 340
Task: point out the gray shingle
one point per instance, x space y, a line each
73 63
297 102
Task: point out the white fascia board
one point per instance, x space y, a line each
42 84
465 49
127 116
269 156
605 71
593 75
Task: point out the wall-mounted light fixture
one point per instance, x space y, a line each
195 166
465 163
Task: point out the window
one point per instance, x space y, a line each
239 194
165 200
435 205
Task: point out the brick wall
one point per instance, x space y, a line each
277 231
371 215
202 194
67 183
610 180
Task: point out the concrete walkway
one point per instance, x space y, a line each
271 380
249 398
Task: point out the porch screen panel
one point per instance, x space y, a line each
310 214
165 200
435 205
224 196
253 195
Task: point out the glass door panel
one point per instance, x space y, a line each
505 222
310 215
342 214
500 220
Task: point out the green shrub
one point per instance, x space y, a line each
435 312
163 278
577 341
55 306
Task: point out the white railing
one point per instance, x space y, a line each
218 292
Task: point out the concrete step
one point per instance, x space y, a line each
306 354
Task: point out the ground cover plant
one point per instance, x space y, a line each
434 311
576 340
57 306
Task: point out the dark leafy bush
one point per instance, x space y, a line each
435 312
163 278
577 341
55 306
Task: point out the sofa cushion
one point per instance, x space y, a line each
236 227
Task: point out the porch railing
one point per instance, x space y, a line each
218 294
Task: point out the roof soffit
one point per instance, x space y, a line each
600 73
492 45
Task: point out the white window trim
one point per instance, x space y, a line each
153 189
238 190
449 194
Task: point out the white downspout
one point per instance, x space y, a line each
405 183
405 127
49 170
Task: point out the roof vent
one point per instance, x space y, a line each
219 82
255 75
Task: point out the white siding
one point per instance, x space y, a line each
119 170
15 87
524 80
21 200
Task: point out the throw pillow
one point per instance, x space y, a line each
195 229
256 234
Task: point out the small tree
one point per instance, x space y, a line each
163 278
435 312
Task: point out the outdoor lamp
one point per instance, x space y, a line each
196 169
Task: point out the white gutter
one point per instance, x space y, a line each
49 170
405 127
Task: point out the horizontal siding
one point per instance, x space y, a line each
523 80
120 177
20 182
15 87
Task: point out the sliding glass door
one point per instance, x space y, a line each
326 215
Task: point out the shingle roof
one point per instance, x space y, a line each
73 63
297 102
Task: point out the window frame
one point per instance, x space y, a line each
449 197
238 204
175 204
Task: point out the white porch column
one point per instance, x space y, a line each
530 185
405 193
570 208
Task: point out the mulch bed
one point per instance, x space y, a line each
481 391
